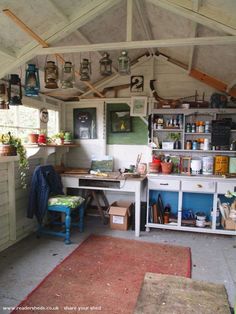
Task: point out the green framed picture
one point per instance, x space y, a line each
120 121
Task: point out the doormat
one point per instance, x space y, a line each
104 275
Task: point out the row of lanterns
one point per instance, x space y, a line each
13 94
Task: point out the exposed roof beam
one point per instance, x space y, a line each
144 22
88 13
175 7
129 21
175 42
195 5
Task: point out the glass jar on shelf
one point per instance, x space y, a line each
193 126
188 128
188 144
201 127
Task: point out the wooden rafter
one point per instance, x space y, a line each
175 42
211 81
42 42
175 7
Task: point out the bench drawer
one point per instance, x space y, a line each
198 186
164 184
223 187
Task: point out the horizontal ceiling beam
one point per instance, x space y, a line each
176 8
175 42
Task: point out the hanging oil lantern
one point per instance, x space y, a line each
32 84
14 90
85 70
3 97
124 63
105 65
51 75
68 75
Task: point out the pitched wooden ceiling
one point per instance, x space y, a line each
196 34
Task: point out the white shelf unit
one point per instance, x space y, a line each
189 116
212 187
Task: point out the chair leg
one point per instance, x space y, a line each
67 226
81 217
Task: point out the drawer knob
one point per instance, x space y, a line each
164 183
199 185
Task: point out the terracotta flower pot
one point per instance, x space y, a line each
33 138
166 167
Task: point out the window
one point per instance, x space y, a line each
20 121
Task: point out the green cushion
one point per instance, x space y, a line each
66 200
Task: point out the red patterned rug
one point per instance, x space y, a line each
104 275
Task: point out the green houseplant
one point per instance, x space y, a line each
16 148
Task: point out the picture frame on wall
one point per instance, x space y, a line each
120 121
138 106
85 123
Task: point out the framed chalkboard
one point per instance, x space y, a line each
85 123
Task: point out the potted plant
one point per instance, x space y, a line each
175 137
42 138
11 146
58 138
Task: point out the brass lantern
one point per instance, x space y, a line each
51 75
68 75
14 91
105 65
85 70
124 63
3 97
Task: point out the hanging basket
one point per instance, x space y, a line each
7 150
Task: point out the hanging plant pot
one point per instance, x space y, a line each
7 150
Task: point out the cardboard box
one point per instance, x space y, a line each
119 215
229 224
